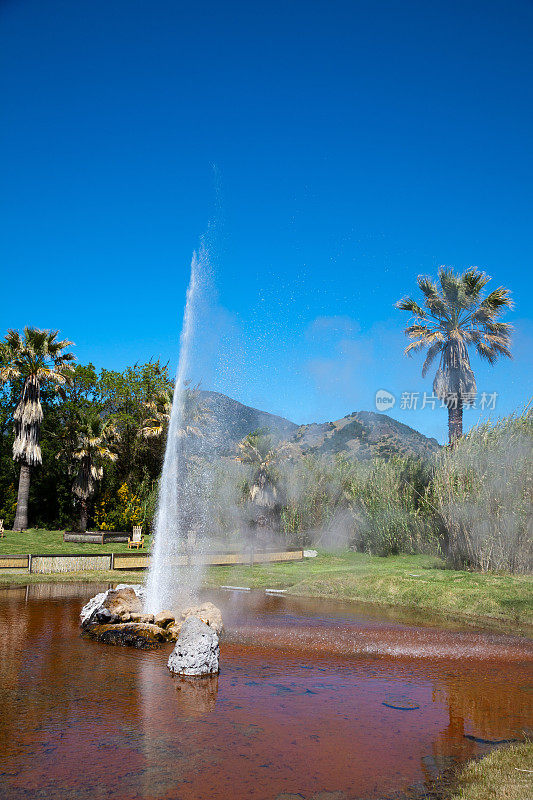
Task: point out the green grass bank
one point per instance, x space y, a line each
417 581
505 774
44 542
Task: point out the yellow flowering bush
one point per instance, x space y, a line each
119 513
102 515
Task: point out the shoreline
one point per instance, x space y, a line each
419 585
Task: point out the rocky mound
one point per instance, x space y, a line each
117 617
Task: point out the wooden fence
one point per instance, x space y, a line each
15 562
46 564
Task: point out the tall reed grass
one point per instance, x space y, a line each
377 506
472 505
483 490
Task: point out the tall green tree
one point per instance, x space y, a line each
457 315
95 444
36 358
124 397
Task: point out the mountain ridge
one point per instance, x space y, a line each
360 434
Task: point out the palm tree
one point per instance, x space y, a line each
159 409
457 315
195 414
95 442
36 358
258 451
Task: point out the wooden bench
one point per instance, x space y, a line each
95 537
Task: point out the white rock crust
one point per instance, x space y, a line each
98 600
196 651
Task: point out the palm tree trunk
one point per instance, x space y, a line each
84 513
21 517
455 421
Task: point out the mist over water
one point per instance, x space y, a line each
180 518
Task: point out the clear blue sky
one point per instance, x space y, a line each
343 147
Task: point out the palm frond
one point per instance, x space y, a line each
433 351
9 373
501 349
433 300
416 331
503 329
495 303
486 352
408 304
414 347
474 282
453 290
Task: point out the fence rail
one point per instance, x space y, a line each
46 564
14 562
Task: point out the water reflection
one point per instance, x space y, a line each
83 721
497 713
196 697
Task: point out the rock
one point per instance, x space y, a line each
137 616
89 609
103 616
164 619
123 601
121 609
116 617
119 602
196 651
208 613
129 634
174 631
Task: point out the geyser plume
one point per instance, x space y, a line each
179 519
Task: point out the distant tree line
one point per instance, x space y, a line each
83 447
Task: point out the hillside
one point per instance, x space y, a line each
234 420
361 434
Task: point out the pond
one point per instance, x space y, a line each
315 700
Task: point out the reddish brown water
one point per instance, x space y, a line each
308 704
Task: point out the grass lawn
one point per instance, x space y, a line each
410 581
505 774
43 542
418 582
